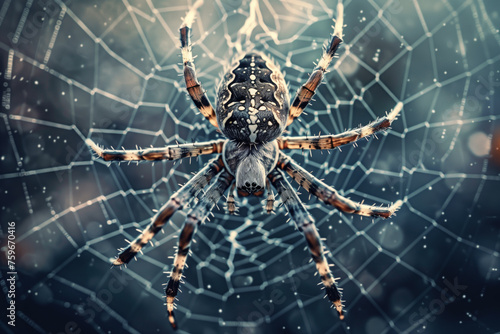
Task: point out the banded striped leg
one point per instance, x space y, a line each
171 152
176 202
328 194
305 224
270 198
307 90
193 86
331 141
195 216
231 203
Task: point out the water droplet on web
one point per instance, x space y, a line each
390 236
243 281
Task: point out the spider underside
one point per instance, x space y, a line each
252 112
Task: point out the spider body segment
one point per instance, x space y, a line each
252 101
252 112
250 165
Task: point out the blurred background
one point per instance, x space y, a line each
111 71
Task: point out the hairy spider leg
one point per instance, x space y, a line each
194 217
171 152
193 86
307 90
327 142
305 223
270 198
176 202
231 203
328 194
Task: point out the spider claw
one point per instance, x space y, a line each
171 319
338 307
396 206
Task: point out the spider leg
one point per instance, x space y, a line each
328 194
331 141
171 152
307 90
305 224
270 198
194 217
231 203
193 86
176 202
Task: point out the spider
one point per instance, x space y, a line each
252 112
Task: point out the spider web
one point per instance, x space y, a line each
110 71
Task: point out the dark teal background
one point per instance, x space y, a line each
109 70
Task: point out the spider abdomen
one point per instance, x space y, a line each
253 101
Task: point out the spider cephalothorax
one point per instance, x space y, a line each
250 164
252 112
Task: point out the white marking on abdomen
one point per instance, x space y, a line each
227 118
252 111
253 132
